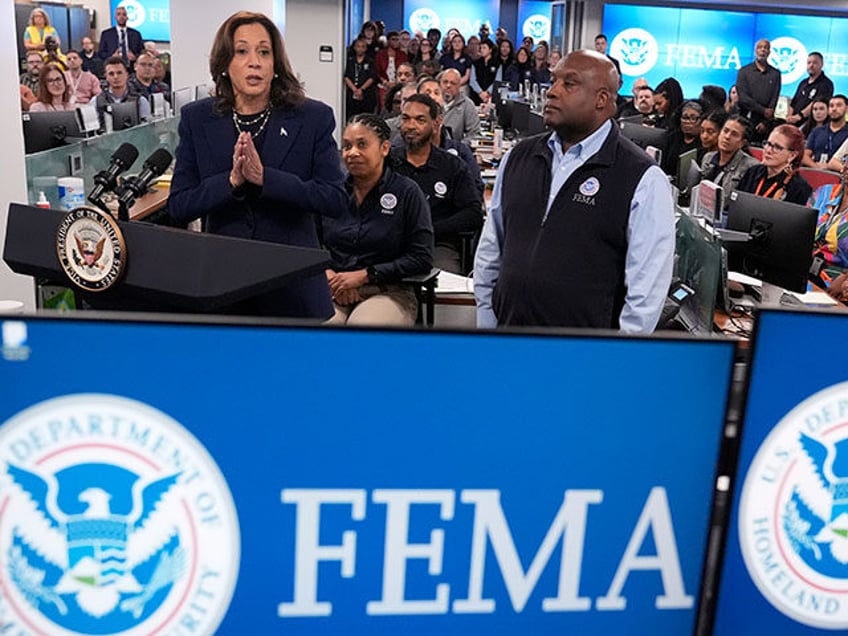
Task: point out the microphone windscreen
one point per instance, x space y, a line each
125 155
159 161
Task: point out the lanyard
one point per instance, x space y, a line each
771 190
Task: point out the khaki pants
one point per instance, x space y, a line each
383 305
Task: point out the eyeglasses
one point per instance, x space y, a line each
691 118
774 146
56 80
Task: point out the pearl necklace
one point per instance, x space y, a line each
242 124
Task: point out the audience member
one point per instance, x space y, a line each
91 62
642 105
455 205
818 116
521 69
473 48
554 58
601 44
824 141
52 54
360 81
456 58
118 91
758 85
120 40
393 102
405 39
430 68
434 37
460 113
368 32
143 81
506 52
430 86
726 165
384 235
394 123
731 106
684 138
816 86
712 97
29 78
447 43
38 30
221 175
777 177
711 126
84 86
541 73
484 73
405 73
501 35
413 49
546 257
426 53
387 61
53 91
831 238
527 43
638 83
668 98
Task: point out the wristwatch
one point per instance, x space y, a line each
373 276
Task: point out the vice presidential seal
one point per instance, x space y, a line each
113 519
793 514
91 249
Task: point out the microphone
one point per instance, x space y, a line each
135 187
106 180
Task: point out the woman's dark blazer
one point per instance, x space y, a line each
302 178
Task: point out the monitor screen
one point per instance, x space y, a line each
124 114
780 249
43 131
181 97
228 461
644 136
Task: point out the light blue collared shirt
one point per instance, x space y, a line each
650 237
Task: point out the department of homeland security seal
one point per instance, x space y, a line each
113 519
91 249
793 513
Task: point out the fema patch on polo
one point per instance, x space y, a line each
453 151
590 187
440 188
113 519
793 513
388 202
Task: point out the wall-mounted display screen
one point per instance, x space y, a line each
465 15
151 17
700 46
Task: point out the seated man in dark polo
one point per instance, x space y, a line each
824 141
118 91
580 231
455 204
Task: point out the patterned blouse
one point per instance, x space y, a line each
831 241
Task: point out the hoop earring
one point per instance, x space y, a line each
223 73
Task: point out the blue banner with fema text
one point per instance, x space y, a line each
465 15
703 46
151 17
191 478
786 563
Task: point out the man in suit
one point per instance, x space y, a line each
121 41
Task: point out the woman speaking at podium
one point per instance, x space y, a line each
258 160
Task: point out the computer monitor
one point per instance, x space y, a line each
688 170
521 116
124 114
644 136
182 96
43 131
779 249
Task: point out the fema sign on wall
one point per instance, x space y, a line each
786 565
534 19
466 15
701 46
150 17
231 480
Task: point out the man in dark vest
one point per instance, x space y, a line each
581 227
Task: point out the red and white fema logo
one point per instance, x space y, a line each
793 513
114 519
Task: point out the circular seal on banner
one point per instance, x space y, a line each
440 188
423 20
136 15
789 56
590 186
636 50
114 519
537 26
793 513
91 249
388 201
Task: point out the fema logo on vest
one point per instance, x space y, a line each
789 56
793 514
113 519
636 50
587 191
